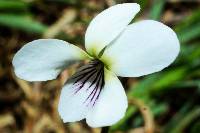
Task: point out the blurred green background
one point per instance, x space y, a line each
171 97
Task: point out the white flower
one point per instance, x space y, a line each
115 48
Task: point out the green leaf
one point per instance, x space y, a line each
189 28
188 84
178 116
169 78
196 127
186 120
143 87
13 5
143 3
188 53
189 20
189 33
23 23
156 9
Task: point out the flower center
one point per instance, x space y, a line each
90 78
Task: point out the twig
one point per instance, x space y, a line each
37 92
146 113
6 119
25 86
110 2
68 16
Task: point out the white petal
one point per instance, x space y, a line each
111 105
78 95
108 25
144 47
71 105
44 59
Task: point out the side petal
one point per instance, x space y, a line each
111 105
143 48
44 59
107 25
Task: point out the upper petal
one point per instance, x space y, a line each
144 47
111 105
44 59
107 25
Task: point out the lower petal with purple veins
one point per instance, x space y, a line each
81 92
